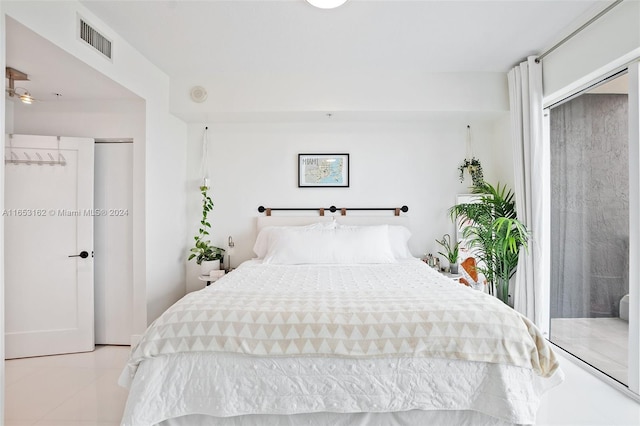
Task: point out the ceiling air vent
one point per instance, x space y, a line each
95 39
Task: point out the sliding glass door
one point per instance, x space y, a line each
590 226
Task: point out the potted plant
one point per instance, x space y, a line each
451 252
206 254
494 234
474 168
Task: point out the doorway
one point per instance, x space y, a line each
57 302
104 110
48 244
589 141
113 241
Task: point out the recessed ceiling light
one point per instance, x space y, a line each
326 4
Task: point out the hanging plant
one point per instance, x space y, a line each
471 164
474 168
203 250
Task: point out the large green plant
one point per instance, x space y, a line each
203 249
494 234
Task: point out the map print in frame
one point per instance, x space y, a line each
323 170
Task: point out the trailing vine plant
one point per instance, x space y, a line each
474 168
203 249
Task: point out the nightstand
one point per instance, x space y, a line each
454 277
211 279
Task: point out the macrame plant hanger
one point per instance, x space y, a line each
203 162
469 148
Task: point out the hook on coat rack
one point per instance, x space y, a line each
47 157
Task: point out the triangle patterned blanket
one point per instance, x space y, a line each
382 310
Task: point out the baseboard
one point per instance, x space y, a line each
135 338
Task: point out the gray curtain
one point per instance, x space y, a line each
589 206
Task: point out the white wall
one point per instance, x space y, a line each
301 95
94 119
159 162
3 111
392 164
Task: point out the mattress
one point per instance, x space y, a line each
289 340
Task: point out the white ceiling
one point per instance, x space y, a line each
193 39
197 37
53 71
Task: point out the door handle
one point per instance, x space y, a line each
83 254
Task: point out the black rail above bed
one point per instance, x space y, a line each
333 209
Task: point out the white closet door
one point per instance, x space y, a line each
48 218
114 243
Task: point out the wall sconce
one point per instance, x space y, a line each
326 4
23 95
19 92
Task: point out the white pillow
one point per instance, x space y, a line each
398 240
363 244
262 240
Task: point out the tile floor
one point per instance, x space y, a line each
66 390
601 342
82 390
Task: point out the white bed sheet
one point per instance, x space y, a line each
238 386
229 385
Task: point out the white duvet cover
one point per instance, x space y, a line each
285 340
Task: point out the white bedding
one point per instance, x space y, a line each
232 385
457 366
396 418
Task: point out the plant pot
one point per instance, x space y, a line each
453 268
502 290
206 266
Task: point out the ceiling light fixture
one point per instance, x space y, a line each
19 92
326 4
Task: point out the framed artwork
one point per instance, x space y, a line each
323 170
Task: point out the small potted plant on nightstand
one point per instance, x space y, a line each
450 252
206 254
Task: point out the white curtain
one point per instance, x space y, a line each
531 286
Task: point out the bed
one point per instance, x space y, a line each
335 323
